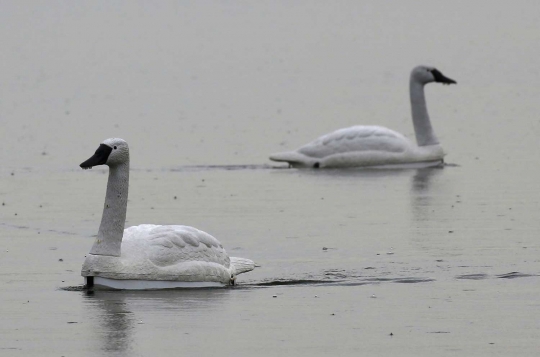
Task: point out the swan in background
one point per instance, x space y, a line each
150 256
377 146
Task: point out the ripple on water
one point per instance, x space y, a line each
346 281
481 276
514 275
472 276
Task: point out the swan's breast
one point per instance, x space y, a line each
171 245
356 138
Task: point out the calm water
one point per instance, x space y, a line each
426 262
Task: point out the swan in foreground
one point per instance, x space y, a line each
377 146
150 256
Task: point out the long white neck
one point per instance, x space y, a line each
422 125
111 230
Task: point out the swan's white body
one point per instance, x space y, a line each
363 145
151 256
376 146
156 256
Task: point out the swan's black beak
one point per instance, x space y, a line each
440 78
99 158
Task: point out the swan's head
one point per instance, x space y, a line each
426 74
110 152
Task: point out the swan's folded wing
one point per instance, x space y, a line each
172 245
356 138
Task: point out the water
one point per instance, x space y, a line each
361 262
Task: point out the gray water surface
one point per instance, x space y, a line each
442 261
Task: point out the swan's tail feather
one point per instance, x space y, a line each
288 156
242 265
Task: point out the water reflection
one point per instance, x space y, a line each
423 177
421 193
431 209
119 315
115 319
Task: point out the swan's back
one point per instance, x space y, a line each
361 145
174 244
355 138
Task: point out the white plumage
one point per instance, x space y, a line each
377 146
361 145
150 256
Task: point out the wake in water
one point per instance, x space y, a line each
511 275
335 277
338 278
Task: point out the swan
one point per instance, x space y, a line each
377 146
150 256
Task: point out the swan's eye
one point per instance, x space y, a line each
115 148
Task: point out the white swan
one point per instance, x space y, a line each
377 146
150 256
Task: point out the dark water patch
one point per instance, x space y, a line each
339 274
343 281
358 283
281 282
472 276
74 288
301 282
514 275
511 275
475 266
407 280
450 164
412 280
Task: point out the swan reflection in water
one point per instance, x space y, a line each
422 194
120 318
432 204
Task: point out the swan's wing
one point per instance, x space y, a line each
356 138
172 245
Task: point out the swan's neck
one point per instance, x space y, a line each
111 230
422 125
